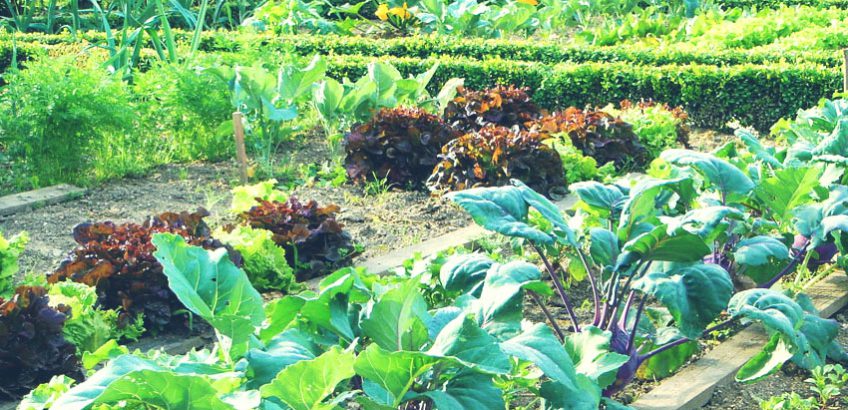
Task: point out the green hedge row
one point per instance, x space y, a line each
773 4
522 50
753 95
756 95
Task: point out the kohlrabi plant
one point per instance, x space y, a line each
657 258
342 104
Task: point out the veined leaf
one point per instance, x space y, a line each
723 175
212 287
465 340
590 351
394 372
502 210
694 295
397 320
503 295
659 245
788 189
306 384
760 256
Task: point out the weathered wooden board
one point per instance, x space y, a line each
23 201
693 386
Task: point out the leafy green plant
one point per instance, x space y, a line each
493 155
118 260
10 251
340 105
60 122
32 345
269 101
596 134
89 327
400 145
658 126
683 241
264 262
500 106
826 383
314 242
245 196
189 107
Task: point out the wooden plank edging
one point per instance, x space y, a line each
38 198
693 387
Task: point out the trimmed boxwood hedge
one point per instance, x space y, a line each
754 95
773 4
512 49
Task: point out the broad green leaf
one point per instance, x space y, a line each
280 313
503 295
604 246
765 363
834 223
467 391
705 222
608 198
212 287
465 340
306 384
666 363
465 273
755 147
647 198
776 311
694 295
723 175
539 346
329 309
591 354
549 211
83 395
282 351
397 320
502 210
447 94
788 189
162 389
294 82
659 245
327 96
395 372
558 397
761 257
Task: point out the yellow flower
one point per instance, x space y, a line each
382 12
402 12
530 2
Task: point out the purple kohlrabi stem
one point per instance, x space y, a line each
683 340
799 256
560 290
595 298
636 323
548 315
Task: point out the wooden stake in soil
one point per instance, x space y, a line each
845 70
241 153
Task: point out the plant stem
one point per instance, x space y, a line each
636 323
560 290
548 315
683 340
596 300
789 268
